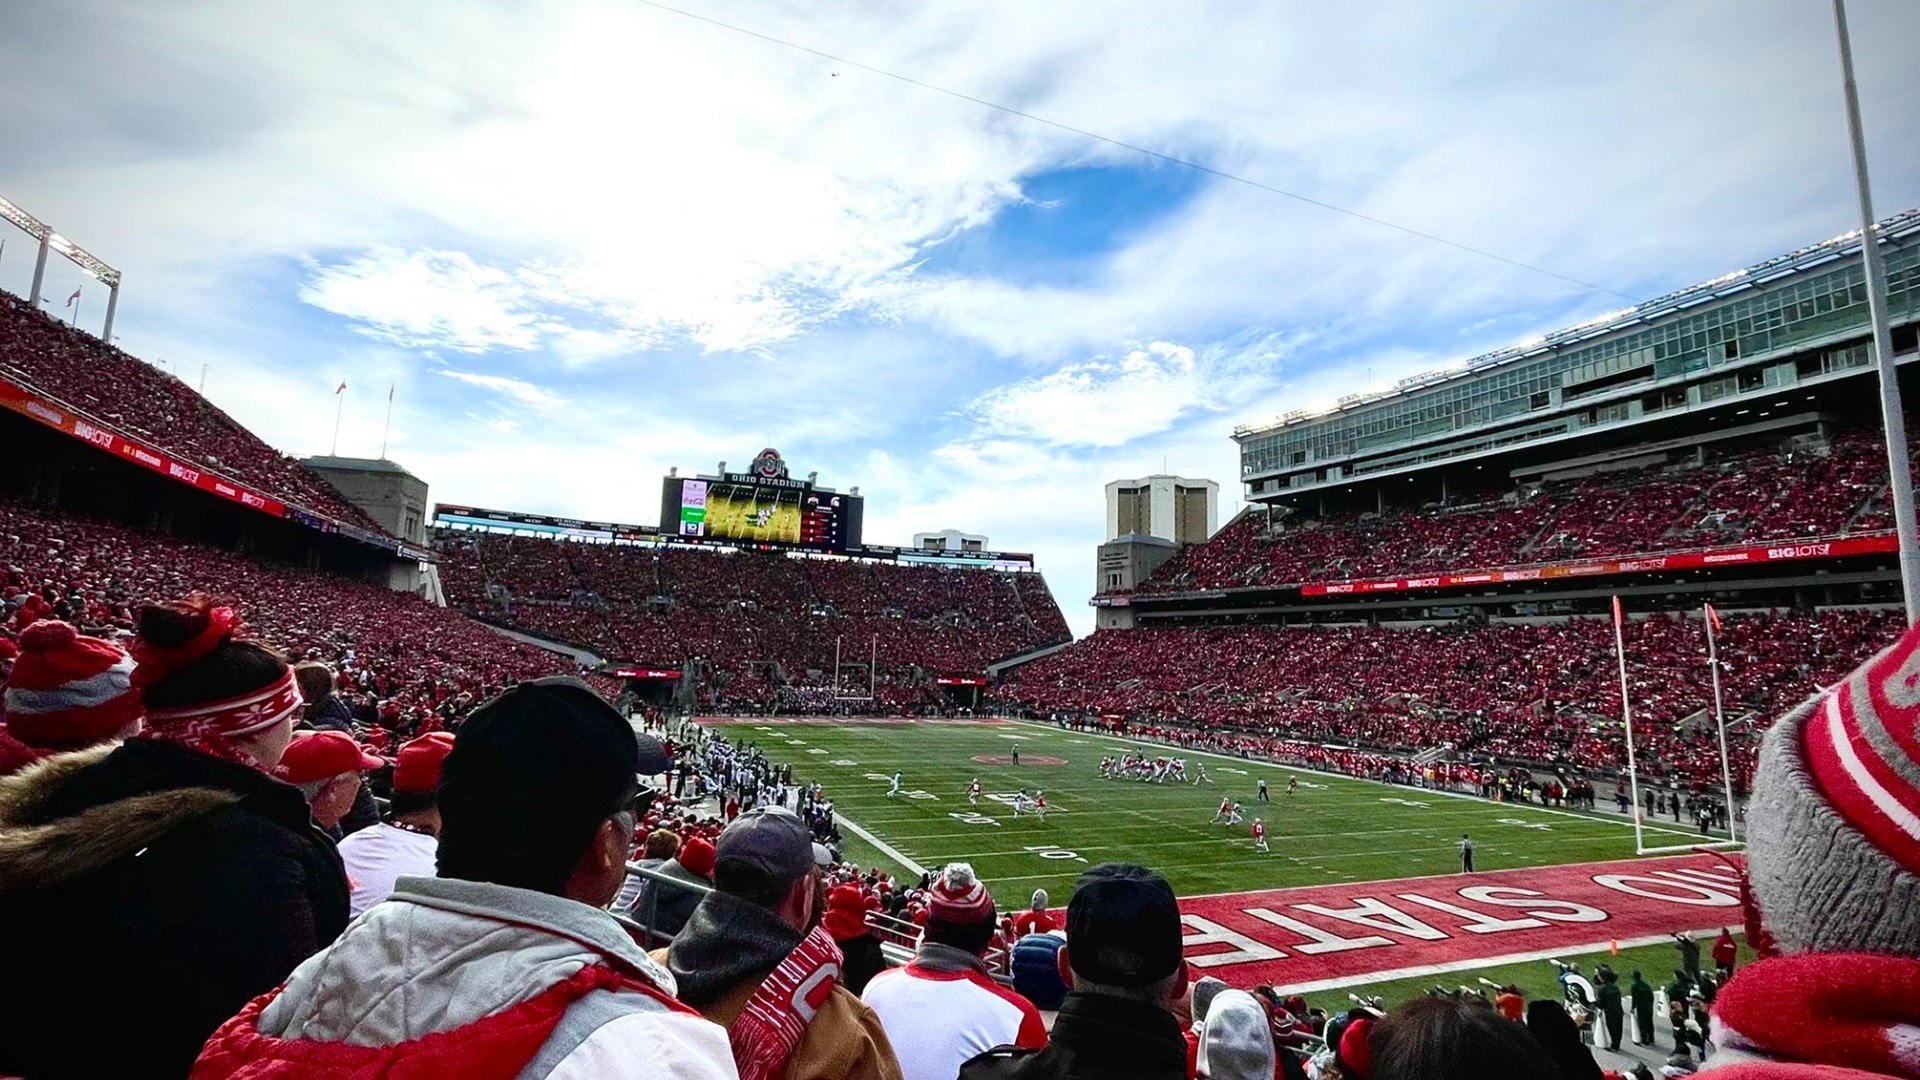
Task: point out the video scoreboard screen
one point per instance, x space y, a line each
750 509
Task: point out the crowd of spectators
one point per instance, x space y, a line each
139 400
176 848
402 664
766 628
1749 495
1547 693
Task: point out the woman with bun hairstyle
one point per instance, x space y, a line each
152 888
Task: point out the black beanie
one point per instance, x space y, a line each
532 775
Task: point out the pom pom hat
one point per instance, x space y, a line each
958 896
69 690
1834 834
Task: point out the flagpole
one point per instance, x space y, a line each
340 405
385 431
1873 269
1626 716
1720 718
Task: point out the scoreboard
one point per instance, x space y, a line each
763 506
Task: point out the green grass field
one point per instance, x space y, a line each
1333 830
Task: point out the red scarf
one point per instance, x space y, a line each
1851 1011
775 1019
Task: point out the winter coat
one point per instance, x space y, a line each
162 889
1095 1037
674 906
725 952
479 981
864 960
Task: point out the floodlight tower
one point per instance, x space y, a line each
50 242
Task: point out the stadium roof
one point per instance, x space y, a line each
1900 225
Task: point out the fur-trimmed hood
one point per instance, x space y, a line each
50 832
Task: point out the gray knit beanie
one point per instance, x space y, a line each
1833 845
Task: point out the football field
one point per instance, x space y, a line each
1332 830
1362 883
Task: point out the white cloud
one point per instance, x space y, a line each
613 203
518 389
427 299
1107 402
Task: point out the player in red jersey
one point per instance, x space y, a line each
1260 837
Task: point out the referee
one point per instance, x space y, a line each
1466 854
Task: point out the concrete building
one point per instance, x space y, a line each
1120 565
949 540
389 494
1173 508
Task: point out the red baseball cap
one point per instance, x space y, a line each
417 766
321 754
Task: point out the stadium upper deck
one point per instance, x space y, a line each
1797 320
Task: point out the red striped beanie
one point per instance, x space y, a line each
67 689
958 896
1834 826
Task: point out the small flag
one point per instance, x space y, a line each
1618 618
343 389
74 299
1713 618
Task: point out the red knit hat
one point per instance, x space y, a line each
68 689
697 856
846 916
1833 856
958 897
417 765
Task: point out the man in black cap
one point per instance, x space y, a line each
508 956
755 959
1123 960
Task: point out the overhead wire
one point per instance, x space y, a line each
1158 155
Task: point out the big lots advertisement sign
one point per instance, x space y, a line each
1328 936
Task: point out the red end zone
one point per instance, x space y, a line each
1326 936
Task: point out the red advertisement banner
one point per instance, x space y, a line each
1326 936
1782 551
61 419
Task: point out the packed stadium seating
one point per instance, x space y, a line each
400 658
1752 495
1544 693
141 401
746 613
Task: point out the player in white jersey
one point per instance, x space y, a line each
1233 815
895 789
1260 837
973 792
1220 816
1293 784
1202 778
1019 801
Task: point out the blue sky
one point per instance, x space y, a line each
587 241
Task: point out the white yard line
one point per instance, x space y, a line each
882 846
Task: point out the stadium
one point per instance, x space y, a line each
1473 707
